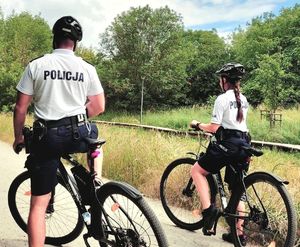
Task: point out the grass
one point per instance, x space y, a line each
139 157
288 132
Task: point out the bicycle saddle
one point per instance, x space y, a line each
252 151
94 142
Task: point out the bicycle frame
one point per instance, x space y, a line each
257 207
217 185
95 229
96 204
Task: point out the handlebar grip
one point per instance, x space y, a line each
19 147
195 125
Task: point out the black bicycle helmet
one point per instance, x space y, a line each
67 27
232 70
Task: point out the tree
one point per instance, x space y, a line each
23 37
271 75
88 54
146 45
248 45
210 54
274 41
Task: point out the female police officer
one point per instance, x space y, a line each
66 91
228 120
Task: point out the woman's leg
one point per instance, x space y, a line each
199 179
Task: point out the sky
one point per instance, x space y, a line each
96 15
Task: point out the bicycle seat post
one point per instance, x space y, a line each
92 155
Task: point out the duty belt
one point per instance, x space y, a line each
235 133
74 121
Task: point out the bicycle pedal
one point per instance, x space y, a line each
208 232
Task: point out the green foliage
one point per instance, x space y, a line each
23 37
210 54
88 54
271 75
146 46
248 45
150 47
287 132
269 48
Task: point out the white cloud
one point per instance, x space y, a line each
96 15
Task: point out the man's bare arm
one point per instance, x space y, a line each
20 111
95 105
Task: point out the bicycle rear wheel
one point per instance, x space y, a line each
269 211
132 219
179 197
63 221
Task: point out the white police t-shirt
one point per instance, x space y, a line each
59 83
225 111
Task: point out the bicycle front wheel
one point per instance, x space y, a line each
179 197
133 221
269 214
63 221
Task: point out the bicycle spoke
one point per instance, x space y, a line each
129 221
183 205
269 213
63 223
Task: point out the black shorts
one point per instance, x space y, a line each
43 162
219 155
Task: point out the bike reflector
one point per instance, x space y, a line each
115 207
27 193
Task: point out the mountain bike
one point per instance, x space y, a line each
114 213
268 217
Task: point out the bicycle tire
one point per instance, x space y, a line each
57 231
273 220
144 224
184 211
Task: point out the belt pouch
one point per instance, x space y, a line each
74 128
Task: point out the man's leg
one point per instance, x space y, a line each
240 222
36 228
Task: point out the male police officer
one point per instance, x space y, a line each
66 91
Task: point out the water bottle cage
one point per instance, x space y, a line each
83 180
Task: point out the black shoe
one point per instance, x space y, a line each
229 238
210 216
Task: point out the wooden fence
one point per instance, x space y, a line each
271 145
